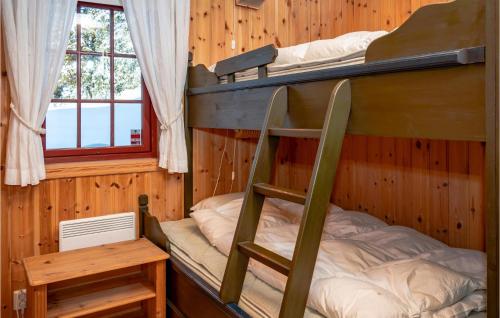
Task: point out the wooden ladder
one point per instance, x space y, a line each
300 269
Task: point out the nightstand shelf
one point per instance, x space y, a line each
125 279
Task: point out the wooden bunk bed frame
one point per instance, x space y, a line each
434 77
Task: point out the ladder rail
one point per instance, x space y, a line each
261 172
317 200
300 268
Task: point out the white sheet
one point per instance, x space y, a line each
369 264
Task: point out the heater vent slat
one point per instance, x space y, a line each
95 231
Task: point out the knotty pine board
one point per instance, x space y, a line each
433 186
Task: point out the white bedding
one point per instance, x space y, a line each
364 267
347 49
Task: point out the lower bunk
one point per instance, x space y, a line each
198 262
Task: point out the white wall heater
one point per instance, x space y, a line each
94 231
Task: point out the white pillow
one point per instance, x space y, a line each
216 201
292 54
342 225
213 225
342 47
295 210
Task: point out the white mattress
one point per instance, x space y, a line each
193 250
190 246
302 67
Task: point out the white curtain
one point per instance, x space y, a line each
160 31
36 35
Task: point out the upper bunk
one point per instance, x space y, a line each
425 79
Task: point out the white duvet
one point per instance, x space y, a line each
364 268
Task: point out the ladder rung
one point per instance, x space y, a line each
266 257
280 193
295 133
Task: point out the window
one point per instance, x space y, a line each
100 108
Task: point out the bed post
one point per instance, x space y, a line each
188 177
143 209
149 227
492 153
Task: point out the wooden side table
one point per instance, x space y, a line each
125 279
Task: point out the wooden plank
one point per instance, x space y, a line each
278 192
254 58
37 302
314 20
127 311
492 162
156 273
101 168
50 268
282 21
49 238
295 133
342 193
266 257
248 221
420 182
360 173
60 291
299 31
104 299
391 105
404 187
418 35
459 194
477 238
315 209
388 181
439 190
439 59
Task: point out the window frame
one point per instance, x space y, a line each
148 147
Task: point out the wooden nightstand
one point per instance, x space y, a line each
125 279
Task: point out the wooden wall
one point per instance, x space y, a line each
30 215
433 186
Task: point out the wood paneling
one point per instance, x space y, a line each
215 23
30 215
434 186
409 182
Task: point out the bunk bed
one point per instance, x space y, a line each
426 79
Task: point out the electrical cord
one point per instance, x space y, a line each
220 163
233 172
